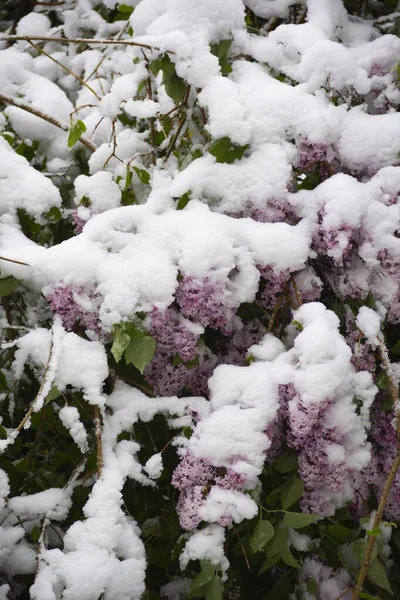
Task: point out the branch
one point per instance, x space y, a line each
11 260
38 113
60 64
394 392
28 38
99 445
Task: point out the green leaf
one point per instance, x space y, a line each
8 285
175 86
128 180
278 543
140 350
286 462
75 132
293 493
374 532
339 533
143 175
358 549
35 533
221 51
183 201
54 215
269 562
378 575
214 590
3 381
299 520
367 596
225 151
125 8
312 587
52 395
382 381
261 535
289 559
205 576
396 348
120 343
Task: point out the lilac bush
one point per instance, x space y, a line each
200 299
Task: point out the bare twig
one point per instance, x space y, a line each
180 125
39 113
99 445
296 291
60 64
11 260
394 392
29 38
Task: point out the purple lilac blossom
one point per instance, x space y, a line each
275 283
194 477
64 301
319 155
203 302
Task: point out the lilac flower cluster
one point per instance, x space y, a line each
317 155
274 285
74 304
204 302
306 427
194 478
336 243
176 345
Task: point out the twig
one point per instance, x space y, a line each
344 593
28 38
17 262
242 547
296 291
46 523
180 125
99 445
60 64
274 314
38 113
394 392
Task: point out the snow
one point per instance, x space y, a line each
34 24
69 416
227 503
21 186
369 323
206 544
53 503
154 466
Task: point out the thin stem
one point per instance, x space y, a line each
99 444
29 38
60 64
394 392
39 113
243 549
296 291
180 125
11 260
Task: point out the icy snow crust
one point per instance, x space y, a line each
242 218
